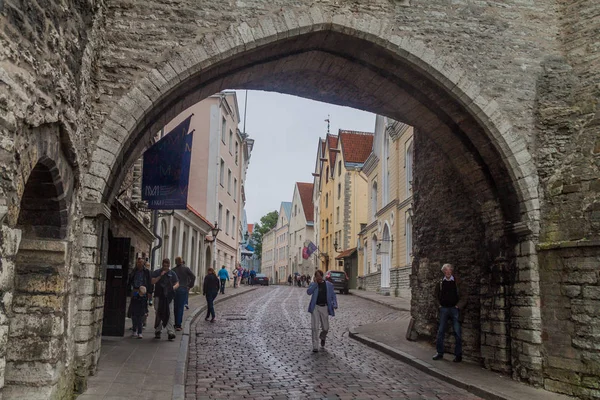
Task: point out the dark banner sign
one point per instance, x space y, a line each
167 170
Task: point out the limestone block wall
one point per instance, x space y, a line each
399 282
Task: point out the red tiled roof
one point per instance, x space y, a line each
356 146
200 216
250 229
306 196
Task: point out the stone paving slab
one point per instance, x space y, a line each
147 368
389 337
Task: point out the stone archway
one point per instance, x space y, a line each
355 62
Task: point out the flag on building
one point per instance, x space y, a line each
305 254
311 248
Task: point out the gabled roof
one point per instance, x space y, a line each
356 146
287 207
305 190
332 142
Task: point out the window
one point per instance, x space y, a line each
229 181
174 242
327 225
222 173
374 254
233 228
237 145
409 234
295 210
340 168
223 129
327 175
234 189
184 246
374 200
326 200
230 142
220 220
339 191
337 214
227 222
409 169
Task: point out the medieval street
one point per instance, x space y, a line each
260 348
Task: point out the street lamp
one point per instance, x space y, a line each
215 231
335 246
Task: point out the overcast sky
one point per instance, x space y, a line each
286 131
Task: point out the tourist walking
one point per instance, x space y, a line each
139 310
210 289
289 280
452 298
323 303
252 276
165 284
139 276
186 281
224 277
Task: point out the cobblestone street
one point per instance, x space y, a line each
260 348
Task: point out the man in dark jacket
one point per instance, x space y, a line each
186 282
166 283
452 298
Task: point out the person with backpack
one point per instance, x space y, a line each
165 283
223 276
452 298
186 282
210 289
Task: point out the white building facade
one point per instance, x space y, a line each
301 229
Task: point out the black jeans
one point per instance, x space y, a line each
223 286
210 302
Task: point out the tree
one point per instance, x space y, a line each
267 222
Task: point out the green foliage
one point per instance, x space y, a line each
267 222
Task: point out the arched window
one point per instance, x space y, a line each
173 245
184 247
409 240
374 253
409 169
385 257
385 170
365 259
164 249
374 200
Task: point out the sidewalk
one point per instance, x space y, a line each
148 368
390 337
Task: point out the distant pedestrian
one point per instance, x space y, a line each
307 279
235 277
252 276
452 298
139 310
165 284
323 303
289 280
303 280
186 282
245 276
224 277
210 289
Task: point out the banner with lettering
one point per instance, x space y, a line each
166 170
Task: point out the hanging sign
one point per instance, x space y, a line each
166 170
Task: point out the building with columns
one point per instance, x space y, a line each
385 248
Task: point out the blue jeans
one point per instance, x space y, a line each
210 302
451 313
181 299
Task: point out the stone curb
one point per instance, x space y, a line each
182 356
383 303
427 368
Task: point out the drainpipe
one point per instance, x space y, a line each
158 238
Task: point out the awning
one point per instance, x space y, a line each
346 253
247 253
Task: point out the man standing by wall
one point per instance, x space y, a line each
452 298
186 282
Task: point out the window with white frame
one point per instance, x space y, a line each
229 181
220 220
385 189
230 141
374 200
409 239
235 189
223 129
222 173
227 222
237 150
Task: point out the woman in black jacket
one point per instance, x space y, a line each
210 289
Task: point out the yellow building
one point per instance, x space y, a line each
343 200
385 252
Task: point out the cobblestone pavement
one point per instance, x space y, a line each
260 348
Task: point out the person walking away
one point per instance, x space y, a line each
139 310
452 298
210 289
323 303
307 279
252 276
139 276
186 281
289 280
223 276
165 284
245 276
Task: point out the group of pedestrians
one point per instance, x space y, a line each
299 280
239 276
166 289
